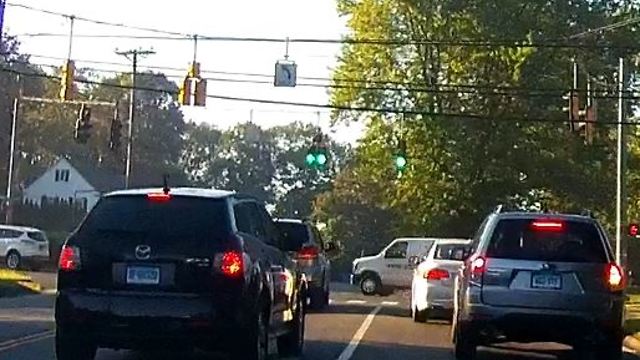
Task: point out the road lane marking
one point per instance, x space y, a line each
359 302
347 353
14 343
390 303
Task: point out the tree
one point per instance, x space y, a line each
201 144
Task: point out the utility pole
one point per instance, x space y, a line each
132 55
12 152
3 4
621 152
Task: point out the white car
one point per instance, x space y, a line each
392 267
23 246
433 279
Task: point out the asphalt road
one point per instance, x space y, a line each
354 327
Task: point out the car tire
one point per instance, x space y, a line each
292 344
420 316
73 347
465 344
370 285
254 344
13 260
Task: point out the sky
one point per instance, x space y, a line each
317 19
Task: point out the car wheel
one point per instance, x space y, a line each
370 285
465 346
254 344
13 260
73 347
292 343
420 316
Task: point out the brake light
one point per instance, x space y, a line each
69 258
159 197
308 253
614 277
230 263
478 265
437 274
547 225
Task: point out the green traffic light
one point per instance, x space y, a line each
321 159
310 159
400 162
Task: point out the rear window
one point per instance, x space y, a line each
187 220
547 240
37 236
293 235
447 251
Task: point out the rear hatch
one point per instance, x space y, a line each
546 263
443 268
298 244
144 244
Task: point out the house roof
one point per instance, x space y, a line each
102 179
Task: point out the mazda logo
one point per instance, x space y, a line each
143 252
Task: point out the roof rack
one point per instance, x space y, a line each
587 213
498 209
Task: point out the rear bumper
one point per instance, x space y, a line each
495 323
314 275
144 320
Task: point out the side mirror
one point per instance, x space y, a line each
415 260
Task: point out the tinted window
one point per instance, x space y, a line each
243 218
571 241
294 235
37 235
183 220
447 251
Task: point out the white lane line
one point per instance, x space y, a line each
357 337
356 302
390 303
14 343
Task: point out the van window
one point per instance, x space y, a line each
397 251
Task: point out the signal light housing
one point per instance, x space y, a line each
615 277
634 230
69 258
437 274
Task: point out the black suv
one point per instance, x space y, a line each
305 244
188 268
540 277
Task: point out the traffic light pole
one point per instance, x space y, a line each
620 165
133 55
12 154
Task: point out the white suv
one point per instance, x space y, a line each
23 246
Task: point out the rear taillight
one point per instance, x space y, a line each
69 258
437 274
230 264
477 267
614 277
159 197
547 225
308 253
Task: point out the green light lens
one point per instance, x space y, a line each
310 159
321 159
401 162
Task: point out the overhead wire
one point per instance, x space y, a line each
381 110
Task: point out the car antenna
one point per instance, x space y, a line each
165 186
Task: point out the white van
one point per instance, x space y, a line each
392 267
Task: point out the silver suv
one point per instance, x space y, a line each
532 277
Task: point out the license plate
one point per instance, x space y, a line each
143 275
546 281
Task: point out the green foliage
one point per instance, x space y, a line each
484 152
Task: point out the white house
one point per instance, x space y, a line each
72 184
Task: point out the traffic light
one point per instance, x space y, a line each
573 110
400 157
116 132
318 155
83 125
67 90
634 230
200 96
184 98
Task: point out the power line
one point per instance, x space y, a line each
455 116
363 41
612 26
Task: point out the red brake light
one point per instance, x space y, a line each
478 265
547 225
159 197
308 253
634 230
614 277
231 264
69 258
437 274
